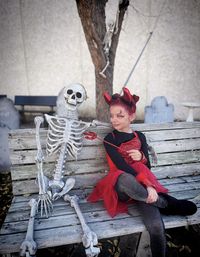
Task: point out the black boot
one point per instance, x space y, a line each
177 207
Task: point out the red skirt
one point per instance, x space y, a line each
105 188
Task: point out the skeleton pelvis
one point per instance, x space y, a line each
56 186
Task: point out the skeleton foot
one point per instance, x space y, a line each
69 184
90 241
89 238
29 246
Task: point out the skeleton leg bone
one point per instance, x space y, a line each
89 238
28 246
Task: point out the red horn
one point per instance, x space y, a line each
127 95
107 98
136 98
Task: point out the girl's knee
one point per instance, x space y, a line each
126 180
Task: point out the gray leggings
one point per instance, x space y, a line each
127 187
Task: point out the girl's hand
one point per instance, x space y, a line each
136 155
152 195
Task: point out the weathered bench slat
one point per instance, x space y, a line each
21 202
79 167
159 147
84 167
61 209
178 158
29 186
28 142
172 134
26 157
163 159
83 181
61 221
176 145
140 126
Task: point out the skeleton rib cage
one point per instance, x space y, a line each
62 130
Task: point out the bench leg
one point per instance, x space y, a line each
144 249
190 117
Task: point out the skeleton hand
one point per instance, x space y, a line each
44 204
96 123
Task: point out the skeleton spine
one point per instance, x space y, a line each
60 163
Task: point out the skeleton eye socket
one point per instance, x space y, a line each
69 91
78 95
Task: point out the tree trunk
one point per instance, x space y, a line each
92 15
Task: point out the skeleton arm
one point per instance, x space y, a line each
44 201
39 156
38 121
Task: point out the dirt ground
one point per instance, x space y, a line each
181 242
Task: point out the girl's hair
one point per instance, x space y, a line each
126 100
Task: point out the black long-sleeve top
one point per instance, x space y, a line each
117 138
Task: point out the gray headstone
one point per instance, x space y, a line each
159 111
9 119
4 150
9 116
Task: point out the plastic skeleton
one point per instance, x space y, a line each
65 136
111 28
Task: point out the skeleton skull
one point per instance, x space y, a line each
69 98
74 94
110 26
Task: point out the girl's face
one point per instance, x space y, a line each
120 118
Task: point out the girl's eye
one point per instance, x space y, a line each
120 116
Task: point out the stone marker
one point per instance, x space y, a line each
159 111
9 119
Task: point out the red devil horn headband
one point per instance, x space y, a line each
127 97
107 98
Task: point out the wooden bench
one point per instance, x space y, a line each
25 102
2 96
178 149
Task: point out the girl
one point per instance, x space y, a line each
130 177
